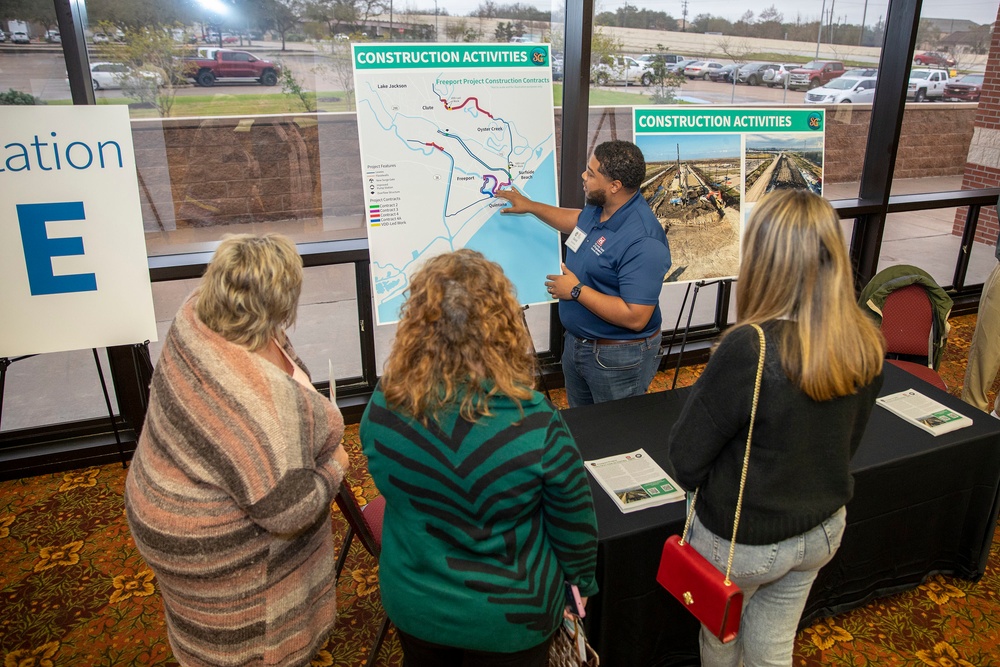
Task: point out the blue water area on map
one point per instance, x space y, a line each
526 248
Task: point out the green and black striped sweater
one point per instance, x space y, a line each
483 522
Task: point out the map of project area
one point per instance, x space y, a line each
442 127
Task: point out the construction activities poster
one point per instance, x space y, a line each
706 167
442 128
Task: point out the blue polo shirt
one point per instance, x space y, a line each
627 256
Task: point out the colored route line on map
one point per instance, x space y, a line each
470 99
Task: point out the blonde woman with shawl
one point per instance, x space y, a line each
823 370
228 496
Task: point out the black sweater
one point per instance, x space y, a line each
798 474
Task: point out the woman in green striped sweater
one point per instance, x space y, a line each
488 507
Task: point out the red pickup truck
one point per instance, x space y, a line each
223 64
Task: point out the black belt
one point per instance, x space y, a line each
611 341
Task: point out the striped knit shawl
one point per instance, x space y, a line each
210 393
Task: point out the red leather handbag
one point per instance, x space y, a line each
696 583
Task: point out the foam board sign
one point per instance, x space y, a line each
73 269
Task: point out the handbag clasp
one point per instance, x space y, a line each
688 599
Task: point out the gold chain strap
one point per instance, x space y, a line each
746 461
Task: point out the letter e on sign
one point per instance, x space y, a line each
39 249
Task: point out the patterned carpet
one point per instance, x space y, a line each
75 592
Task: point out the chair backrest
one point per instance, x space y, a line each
365 522
907 320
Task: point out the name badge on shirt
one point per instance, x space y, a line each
575 239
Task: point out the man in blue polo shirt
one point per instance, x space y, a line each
609 289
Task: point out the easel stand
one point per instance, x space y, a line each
698 284
5 362
541 376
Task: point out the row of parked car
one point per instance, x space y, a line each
826 81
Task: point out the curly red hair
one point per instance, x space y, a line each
461 337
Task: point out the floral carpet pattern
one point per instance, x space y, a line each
75 592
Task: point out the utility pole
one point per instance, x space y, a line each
864 14
819 33
684 15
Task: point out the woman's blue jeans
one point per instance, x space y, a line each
596 372
775 579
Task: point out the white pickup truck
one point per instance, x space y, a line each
926 84
621 69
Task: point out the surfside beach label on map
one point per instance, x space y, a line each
706 167
442 128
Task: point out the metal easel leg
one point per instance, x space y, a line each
111 412
541 376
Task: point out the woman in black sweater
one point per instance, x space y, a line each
822 372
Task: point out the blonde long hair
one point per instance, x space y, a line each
794 265
461 337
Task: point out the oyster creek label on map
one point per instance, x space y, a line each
442 127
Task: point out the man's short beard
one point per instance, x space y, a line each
597 198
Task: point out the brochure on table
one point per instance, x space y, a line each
924 412
634 481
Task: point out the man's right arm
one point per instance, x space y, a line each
560 219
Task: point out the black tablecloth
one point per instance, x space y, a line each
922 504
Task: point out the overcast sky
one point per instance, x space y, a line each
847 11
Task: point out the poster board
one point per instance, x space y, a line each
442 127
73 265
707 166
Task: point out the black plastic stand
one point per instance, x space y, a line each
541 376
698 284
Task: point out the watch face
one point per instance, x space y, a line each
575 292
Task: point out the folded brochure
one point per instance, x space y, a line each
924 412
634 481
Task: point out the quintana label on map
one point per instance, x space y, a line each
442 127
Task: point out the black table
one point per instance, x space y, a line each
922 504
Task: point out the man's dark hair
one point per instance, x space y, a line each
622 161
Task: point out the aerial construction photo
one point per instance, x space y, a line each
693 186
783 161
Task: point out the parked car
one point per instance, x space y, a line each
104 75
815 73
752 74
843 90
927 84
678 67
964 89
19 37
230 64
3 36
724 73
53 37
667 58
621 69
861 71
934 58
701 69
101 38
776 78
557 69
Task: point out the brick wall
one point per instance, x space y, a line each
982 168
236 170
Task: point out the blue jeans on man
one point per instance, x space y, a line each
775 580
596 372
